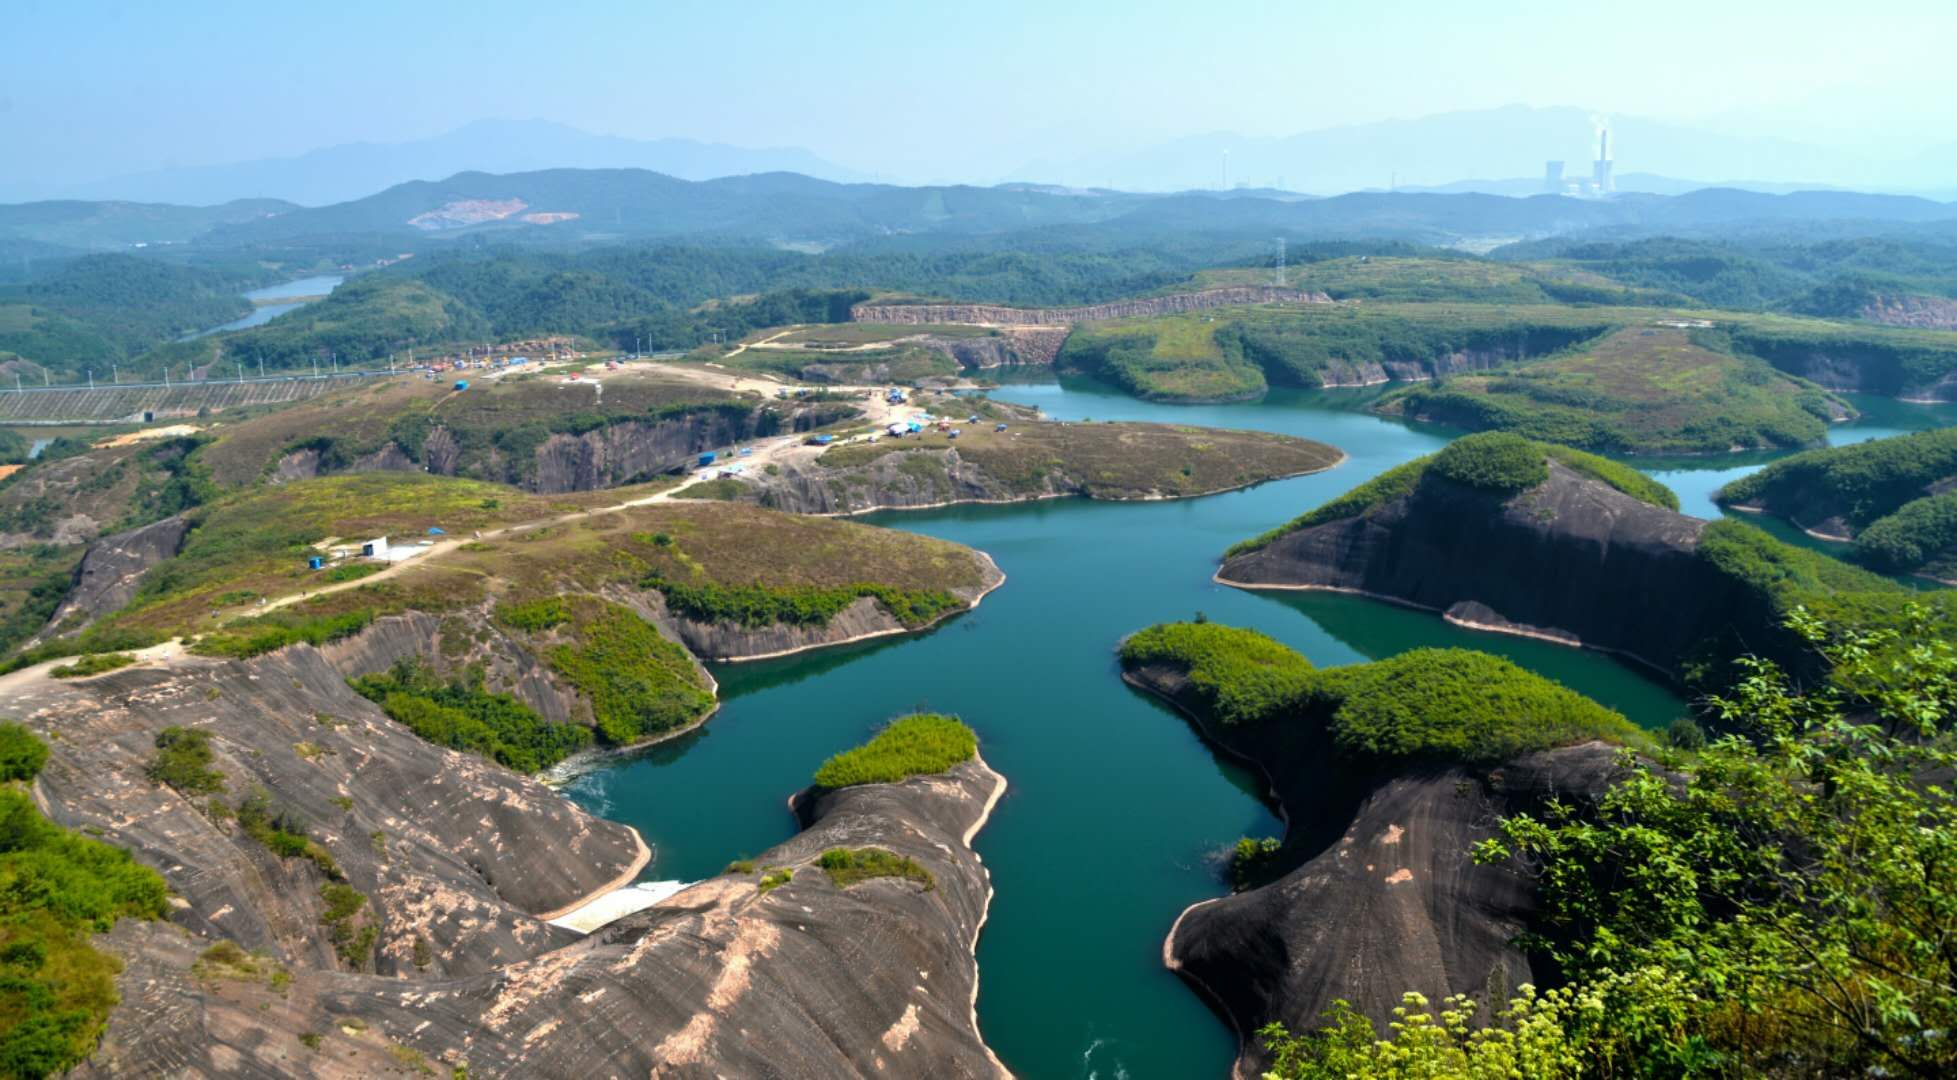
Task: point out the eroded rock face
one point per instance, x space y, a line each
450 850
1010 346
1387 897
1574 561
996 315
603 457
1933 312
107 576
806 979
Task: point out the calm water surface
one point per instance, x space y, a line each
1116 817
288 291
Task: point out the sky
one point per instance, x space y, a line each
924 92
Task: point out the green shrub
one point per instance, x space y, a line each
461 715
1492 461
535 616
92 664
775 878
1457 705
1920 532
1241 676
183 762
352 940
1616 474
1394 483
260 634
908 746
57 888
1252 861
847 866
638 683
22 753
1447 704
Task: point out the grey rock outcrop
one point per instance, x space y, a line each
1573 560
603 457
1386 896
1008 346
106 578
804 979
452 852
998 315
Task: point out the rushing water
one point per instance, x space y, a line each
1116 816
285 296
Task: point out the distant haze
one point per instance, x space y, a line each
318 104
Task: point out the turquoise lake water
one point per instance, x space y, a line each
1116 816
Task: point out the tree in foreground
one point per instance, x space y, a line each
1781 903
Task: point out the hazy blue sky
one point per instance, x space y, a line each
933 90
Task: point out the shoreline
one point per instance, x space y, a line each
985 909
1343 458
1571 642
872 635
639 861
1169 961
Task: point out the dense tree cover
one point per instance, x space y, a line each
1240 676
57 889
100 309
1828 276
1884 360
1858 483
1779 903
756 605
460 714
1445 704
1920 535
907 746
1492 461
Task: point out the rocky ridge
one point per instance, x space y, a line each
1573 561
1385 896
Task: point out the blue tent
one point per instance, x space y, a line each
436 531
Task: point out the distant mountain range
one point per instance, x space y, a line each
577 208
340 173
1509 142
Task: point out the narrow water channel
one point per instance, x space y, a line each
1116 816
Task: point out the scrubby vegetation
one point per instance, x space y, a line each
1444 704
261 634
761 605
1239 353
460 714
22 753
1798 864
850 866
908 746
92 664
1101 461
1637 391
183 762
638 684
57 889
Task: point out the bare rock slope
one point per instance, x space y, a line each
1573 560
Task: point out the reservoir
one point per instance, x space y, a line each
275 300
1116 816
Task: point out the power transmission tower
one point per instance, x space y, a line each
1280 262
